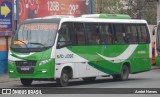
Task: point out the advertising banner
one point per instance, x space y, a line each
41 8
6 8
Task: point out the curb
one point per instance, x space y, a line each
155 67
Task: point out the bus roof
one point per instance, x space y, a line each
81 19
107 16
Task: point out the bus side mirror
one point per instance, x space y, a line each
154 30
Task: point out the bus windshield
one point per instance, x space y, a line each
34 37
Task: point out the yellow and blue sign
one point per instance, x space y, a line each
6 17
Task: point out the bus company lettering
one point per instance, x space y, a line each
40 27
65 56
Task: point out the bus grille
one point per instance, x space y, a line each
25 67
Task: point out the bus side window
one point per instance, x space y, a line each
91 32
120 33
142 33
64 38
79 31
131 34
105 34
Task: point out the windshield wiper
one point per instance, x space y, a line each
22 42
38 44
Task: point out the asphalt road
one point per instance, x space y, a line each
150 79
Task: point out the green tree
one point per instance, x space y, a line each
108 6
140 9
150 12
143 9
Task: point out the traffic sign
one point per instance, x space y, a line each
5 10
6 17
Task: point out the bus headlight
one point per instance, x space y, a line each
45 61
10 62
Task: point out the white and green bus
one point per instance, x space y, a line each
66 48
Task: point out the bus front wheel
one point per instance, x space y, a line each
26 81
63 81
123 75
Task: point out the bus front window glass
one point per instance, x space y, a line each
35 36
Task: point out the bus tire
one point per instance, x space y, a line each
89 79
63 81
26 81
124 74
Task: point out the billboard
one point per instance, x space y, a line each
6 17
41 8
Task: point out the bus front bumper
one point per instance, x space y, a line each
40 71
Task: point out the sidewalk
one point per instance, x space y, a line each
5 78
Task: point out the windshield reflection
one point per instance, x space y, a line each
36 35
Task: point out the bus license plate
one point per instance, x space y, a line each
25 68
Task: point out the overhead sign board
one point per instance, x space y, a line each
40 8
6 8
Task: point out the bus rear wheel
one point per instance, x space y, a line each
26 81
63 81
124 74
